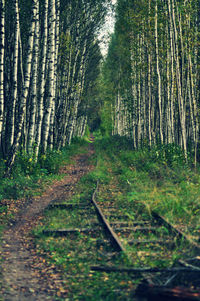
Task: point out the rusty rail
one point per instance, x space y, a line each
114 239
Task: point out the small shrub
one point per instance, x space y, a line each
169 154
51 161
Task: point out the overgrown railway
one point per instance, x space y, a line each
143 240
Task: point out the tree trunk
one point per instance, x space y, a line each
52 119
179 87
51 88
42 81
24 96
32 122
2 51
158 74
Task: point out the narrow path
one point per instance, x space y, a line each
25 276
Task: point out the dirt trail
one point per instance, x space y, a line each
25 276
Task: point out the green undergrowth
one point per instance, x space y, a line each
27 175
75 253
157 177
29 178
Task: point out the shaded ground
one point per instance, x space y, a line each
25 275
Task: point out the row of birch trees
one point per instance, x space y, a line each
153 69
48 59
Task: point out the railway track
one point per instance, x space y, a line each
146 241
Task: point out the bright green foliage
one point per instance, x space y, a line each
159 178
29 177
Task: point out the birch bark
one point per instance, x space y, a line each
52 118
2 52
195 113
11 115
51 88
179 87
149 79
32 122
158 74
42 81
78 92
23 102
172 72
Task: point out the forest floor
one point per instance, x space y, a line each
37 266
25 275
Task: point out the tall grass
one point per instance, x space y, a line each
158 177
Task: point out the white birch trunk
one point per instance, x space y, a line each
169 121
149 78
51 88
134 95
52 119
24 96
195 112
42 80
84 126
77 93
65 84
118 113
172 73
69 119
158 74
139 131
178 77
2 52
15 73
188 95
193 84
32 122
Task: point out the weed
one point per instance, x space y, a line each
75 256
157 178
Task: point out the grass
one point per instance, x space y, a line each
160 179
131 181
76 253
74 257
29 178
156 179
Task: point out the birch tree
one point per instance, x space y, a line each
159 39
51 87
33 105
44 62
2 51
42 80
15 145
158 74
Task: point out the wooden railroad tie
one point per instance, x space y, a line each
148 241
136 228
65 232
69 206
110 269
130 223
